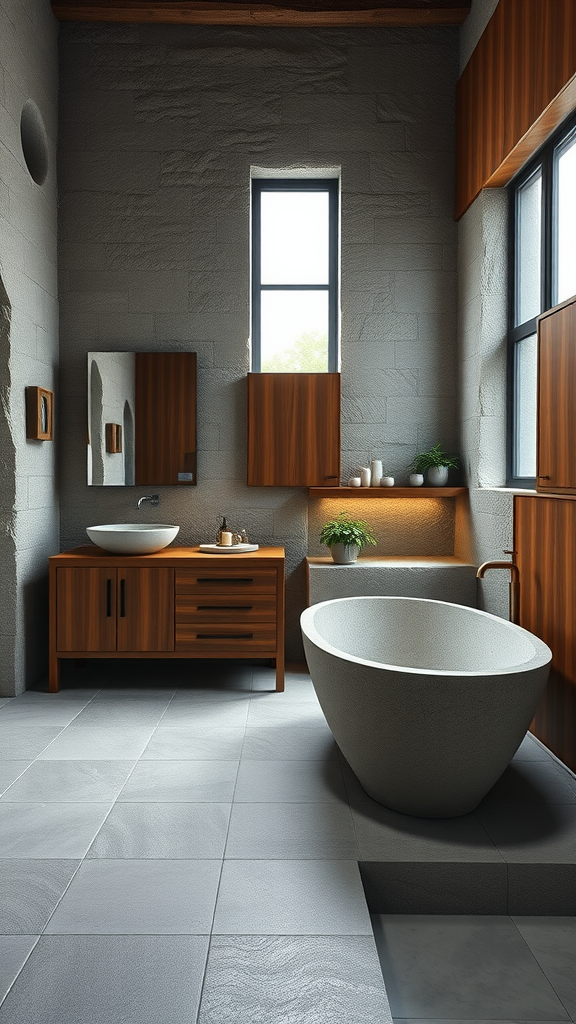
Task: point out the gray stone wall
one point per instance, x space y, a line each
159 129
484 529
29 340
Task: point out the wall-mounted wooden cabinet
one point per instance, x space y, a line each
556 432
294 429
177 603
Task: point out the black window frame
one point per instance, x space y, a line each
543 161
332 186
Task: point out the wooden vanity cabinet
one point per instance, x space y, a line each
178 603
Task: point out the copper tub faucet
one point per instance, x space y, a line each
514 583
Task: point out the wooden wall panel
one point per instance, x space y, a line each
299 13
556 430
518 85
294 429
165 428
545 547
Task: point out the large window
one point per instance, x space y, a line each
543 273
295 275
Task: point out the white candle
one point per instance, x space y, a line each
226 539
365 476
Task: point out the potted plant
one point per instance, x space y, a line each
435 463
346 537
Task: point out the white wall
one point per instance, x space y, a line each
29 335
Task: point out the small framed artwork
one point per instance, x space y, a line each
113 438
39 414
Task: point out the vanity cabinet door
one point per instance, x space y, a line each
145 601
86 602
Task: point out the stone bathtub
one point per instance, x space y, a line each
428 701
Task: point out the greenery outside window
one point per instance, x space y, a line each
295 275
543 273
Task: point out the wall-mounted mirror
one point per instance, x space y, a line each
141 418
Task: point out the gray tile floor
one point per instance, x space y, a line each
180 844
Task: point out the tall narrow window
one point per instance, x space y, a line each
543 273
295 275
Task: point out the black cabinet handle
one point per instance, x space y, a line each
108 599
221 579
122 598
224 607
224 636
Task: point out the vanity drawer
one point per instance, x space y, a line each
226 581
231 607
226 637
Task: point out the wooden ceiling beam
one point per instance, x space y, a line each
271 13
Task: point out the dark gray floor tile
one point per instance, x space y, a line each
298 979
20 742
542 888
289 743
10 771
70 781
462 967
172 831
291 831
531 833
181 781
113 743
289 782
145 897
552 941
5 701
40 831
30 891
435 888
183 743
14 951
290 897
109 979
532 782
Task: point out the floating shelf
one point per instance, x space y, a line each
386 492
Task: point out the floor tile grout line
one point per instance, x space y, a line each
540 967
19 971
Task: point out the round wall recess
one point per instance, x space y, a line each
34 142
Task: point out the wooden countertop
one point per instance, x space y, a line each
167 556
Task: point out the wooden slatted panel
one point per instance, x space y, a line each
556 457
518 85
545 546
165 428
293 429
267 12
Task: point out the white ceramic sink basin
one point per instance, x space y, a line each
132 538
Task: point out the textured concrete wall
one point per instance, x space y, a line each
159 129
484 529
29 336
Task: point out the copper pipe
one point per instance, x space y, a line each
514 587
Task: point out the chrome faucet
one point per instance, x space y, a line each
154 499
514 600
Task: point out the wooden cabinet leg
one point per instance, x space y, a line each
53 674
280 673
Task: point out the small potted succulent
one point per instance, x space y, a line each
435 463
346 537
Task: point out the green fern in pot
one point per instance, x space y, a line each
346 537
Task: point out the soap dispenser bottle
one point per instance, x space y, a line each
223 528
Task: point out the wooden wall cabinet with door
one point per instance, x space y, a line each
294 429
556 429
